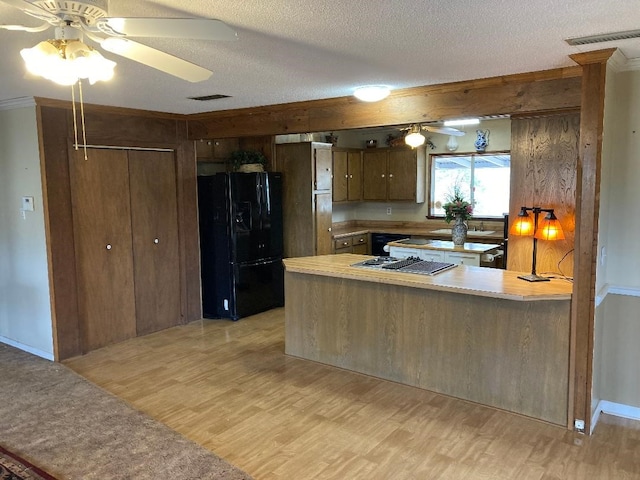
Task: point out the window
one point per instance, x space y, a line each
483 179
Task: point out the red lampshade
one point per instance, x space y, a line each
549 228
523 225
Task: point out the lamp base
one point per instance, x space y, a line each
534 278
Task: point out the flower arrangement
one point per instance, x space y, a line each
457 206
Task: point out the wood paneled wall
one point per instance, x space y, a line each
112 127
544 158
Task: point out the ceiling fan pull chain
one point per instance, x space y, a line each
84 132
73 110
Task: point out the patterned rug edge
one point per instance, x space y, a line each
21 469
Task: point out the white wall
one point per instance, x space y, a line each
25 309
617 327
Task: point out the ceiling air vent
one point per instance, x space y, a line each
206 98
604 37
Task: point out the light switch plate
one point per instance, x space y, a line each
27 204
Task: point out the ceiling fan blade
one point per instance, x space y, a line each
33 10
24 28
157 59
198 28
444 130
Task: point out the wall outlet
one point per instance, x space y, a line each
579 425
388 210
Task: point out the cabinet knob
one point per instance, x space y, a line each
108 246
361 240
346 176
329 229
328 169
391 175
382 175
156 241
346 244
350 176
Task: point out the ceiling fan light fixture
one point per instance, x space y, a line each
372 93
414 138
65 62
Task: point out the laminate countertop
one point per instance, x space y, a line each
492 235
444 246
463 279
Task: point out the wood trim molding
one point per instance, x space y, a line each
596 56
586 239
106 109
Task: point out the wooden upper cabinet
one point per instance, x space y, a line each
374 175
340 176
322 161
394 174
216 150
403 174
347 175
355 176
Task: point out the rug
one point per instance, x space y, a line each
13 467
78 431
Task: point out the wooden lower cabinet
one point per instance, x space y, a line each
126 243
323 217
352 244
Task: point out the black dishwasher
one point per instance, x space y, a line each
379 240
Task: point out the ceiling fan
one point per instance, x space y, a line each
417 127
414 138
72 19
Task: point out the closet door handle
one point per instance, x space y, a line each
108 246
156 241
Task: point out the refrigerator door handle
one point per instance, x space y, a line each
267 197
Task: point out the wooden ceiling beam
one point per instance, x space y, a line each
550 90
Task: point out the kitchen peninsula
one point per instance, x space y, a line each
475 333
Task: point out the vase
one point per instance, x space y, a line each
482 140
459 231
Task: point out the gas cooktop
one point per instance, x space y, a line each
405 265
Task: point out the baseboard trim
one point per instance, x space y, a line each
616 409
615 290
27 348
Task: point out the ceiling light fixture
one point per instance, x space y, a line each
372 93
414 138
66 61
461 122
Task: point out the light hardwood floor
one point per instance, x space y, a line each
229 387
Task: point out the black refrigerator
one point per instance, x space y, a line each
240 217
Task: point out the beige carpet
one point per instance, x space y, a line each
73 429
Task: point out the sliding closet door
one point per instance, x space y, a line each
154 221
102 235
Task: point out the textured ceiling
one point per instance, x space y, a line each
303 50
